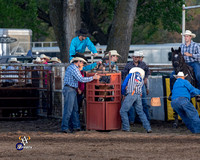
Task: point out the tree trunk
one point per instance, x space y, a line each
65 19
122 25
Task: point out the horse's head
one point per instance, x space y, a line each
177 59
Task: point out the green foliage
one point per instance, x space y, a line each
19 14
168 13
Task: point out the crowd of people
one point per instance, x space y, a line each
135 85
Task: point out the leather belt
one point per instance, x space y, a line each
70 86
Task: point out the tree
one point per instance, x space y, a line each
19 14
65 19
122 25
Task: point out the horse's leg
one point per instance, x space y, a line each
175 124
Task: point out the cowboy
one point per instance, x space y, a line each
79 43
145 91
45 59
136 63
134 82
191 52
72 77
181 95
114 59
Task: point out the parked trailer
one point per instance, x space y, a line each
21 45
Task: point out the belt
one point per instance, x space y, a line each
70 86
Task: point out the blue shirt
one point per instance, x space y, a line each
73 76
80 46
193 49
89 67
183 88
133 82
112 64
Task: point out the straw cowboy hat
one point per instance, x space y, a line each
79 57
13 59
136 54
137 69
43 56
55 59
113 53
188 32
37 60
180 74
83 32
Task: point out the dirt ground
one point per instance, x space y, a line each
47 142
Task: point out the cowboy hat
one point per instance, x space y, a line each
43 56
79 57
137 69
141 53
83 32
113 53
55 59
136 54
188 32
13 59
180 74
37 60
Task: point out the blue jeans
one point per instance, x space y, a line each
132 113
70 114
196 69
126 105
188 113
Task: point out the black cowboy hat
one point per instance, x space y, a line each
81 55
83 32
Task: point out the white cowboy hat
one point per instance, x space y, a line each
55 59
136 54
78 59
113 53
37 60
141 53
44 56
137 69
180 74
188 32
13 59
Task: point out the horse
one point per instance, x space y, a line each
178 63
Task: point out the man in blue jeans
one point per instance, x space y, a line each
181 94
72 77
191 52
134 83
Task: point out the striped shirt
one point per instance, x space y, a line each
134 82
130 65
194 49
73 76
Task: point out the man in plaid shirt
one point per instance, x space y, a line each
191 52
72 77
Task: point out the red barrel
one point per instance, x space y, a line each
103 98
